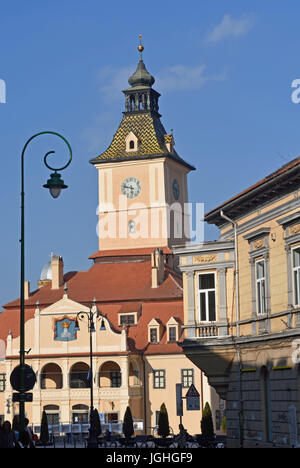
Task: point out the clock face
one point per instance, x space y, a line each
131 187
176 189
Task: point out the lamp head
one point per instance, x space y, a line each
55 184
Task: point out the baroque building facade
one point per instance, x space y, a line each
133 287
242 305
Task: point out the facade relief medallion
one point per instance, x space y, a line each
205 259
64 329
295 229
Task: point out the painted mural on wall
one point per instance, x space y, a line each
64 329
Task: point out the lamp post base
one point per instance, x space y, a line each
92 440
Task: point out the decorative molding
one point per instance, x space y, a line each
263 218
205 259
295 229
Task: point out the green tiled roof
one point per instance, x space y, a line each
151 136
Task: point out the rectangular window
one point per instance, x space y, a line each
187 377
115 379
53 419
207 297
2 382
172 334
260 287
296 275
159 379
153 335
127 319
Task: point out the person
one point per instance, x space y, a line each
8 437
31 443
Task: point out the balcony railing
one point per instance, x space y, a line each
211 330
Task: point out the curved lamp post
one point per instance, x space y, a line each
91 318
55 184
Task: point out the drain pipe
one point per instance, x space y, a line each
237 306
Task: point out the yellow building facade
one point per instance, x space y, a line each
241 300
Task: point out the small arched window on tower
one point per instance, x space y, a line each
131 142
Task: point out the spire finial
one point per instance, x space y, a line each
140 46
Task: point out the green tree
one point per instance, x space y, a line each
224 425
163 422
207 425
44 436
128 429
96 422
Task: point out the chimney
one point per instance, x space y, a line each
158 268
57 266
26 290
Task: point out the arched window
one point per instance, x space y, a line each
52 412
79 375
80 414
110 375
51 377
131 144
266 404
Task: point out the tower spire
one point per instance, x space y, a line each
141 47
141 96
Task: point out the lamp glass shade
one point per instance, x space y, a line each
55 184
55 191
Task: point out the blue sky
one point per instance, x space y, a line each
224 70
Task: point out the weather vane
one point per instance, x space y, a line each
141 47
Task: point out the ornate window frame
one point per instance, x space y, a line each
259 250
291 227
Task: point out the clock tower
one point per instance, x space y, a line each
142 180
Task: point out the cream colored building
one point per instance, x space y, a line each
134 285
242 306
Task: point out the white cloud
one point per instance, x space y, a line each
112 80
175 78
186 78
230 27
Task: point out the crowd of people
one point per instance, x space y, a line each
12 437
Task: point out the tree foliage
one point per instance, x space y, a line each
44 436
128 429
207 425
96 422
163 422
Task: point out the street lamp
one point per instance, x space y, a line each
91 316
55 185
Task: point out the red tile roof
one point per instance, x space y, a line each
127 252
118 288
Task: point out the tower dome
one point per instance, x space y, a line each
46 274
141 76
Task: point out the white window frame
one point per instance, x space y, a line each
206 297
261 302
124 314
296 288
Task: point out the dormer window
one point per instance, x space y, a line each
153 335
131 142
172 334
154 331
172 330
